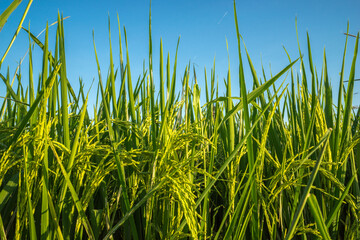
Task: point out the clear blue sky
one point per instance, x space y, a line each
204 26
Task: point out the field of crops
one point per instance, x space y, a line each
266 163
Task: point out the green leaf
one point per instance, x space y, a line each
3 19
6 14
319 219
8 189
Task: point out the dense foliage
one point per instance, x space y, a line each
271 163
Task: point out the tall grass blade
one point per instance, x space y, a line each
6 14
18 28
32 229
249 144
319 219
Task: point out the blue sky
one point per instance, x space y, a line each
204 26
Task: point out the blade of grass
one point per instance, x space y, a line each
129 82
337 131
6 14
249 144
319 219
17 30
45 225
63 82
32 230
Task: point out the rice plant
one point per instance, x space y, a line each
267 163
